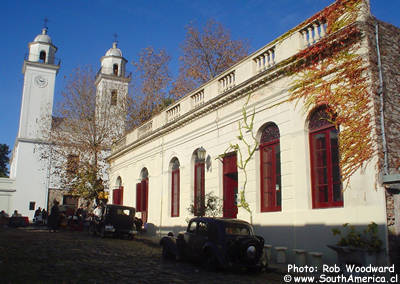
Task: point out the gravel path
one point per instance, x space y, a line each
31 255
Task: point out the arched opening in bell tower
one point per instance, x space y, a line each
115 69
42 57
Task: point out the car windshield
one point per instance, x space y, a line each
122 211
237 229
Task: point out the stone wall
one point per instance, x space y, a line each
58 194
389 38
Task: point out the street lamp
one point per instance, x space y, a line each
201 153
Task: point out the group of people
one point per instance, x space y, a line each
16 219
40 216
53 220
74 219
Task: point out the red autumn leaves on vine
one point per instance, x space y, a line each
331 73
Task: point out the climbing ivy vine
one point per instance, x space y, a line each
332 73
245 153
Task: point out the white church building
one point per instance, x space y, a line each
31 181
294 190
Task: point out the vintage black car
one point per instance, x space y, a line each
117 220
217 242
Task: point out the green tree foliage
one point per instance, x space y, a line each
4 159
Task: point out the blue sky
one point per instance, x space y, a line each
83 31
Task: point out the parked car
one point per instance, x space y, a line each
217 242
117 220
20 221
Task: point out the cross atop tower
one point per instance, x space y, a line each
115 35
45 21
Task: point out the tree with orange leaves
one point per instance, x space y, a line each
82 132
150 83
206 53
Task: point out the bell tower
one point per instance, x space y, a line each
112 89
28 167
40 69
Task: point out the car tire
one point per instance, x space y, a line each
92 230
210 261
102 232
165 252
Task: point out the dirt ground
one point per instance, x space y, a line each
32 255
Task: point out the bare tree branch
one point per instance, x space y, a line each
206 54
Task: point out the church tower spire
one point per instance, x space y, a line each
112 87
28 167
40 69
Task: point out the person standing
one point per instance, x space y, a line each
4 219
37 219
16 214
44 216
38 211
54 217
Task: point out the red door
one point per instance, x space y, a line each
142 194
145 199
230 183
118 195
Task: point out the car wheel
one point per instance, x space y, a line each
210 261
102 232
92 230
263 264
165 252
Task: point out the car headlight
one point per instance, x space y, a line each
251 252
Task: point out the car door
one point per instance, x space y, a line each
200 239
195 237
189 237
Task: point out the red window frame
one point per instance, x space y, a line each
271 197
175 193
199 205
325 183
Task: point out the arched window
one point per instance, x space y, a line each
142 194
115 69
270 157
175 187
199 183
324 150
42 57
